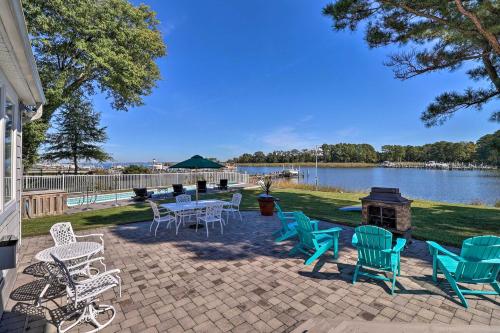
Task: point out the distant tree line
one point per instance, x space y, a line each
486 150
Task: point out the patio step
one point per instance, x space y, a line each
327 325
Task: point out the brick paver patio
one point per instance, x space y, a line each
242 282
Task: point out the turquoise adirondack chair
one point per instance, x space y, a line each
288 224
314 242
478 263
375 250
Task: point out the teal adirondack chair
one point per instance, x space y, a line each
288 224
375 250
313 242
478 263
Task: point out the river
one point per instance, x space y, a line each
456 186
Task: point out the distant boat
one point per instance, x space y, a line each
290 172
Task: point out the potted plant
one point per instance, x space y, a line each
266 201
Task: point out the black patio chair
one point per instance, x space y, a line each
202 186
222 184
142 194
178 189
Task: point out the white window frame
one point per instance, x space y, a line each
7 207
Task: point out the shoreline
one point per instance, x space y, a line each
311 164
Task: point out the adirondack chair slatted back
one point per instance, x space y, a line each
372 241
62 233
281 216
474 250
304 230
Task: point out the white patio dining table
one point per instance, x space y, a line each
68 252
177 207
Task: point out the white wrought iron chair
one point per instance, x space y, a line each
183 198
83 295
211 214
160 216
62 234
233 206
185 213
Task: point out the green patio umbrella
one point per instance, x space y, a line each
197 162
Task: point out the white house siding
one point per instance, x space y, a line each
10 218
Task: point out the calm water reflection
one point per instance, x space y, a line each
438 185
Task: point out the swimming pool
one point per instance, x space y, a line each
82 200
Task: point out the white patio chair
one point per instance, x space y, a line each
233 206
187 213
83 296
211 214
160 216
183 198
62 234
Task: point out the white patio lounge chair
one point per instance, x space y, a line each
211 214
62 234
83 296
160 215
233 206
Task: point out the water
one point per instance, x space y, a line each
456 186
107 197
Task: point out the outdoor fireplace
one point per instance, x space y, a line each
386 208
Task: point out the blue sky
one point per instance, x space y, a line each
242 76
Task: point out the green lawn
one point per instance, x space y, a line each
442 222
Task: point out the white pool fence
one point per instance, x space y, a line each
120 182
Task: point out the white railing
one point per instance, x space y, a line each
103 183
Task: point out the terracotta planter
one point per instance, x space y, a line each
266 204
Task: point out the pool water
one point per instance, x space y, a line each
82 200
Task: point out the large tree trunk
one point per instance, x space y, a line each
75 163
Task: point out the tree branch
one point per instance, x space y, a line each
491 70
490 37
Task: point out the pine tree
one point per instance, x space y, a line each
433 35
77 134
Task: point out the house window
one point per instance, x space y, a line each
8 161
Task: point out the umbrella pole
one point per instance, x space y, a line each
196 183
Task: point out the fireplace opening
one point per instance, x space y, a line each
384 217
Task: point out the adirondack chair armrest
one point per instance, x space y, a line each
288 214
435 249
354 240
327 231
490 261
400 244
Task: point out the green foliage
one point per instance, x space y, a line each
342 152
33 137
77 134
135 169
488 149
442 151
265 184
434 35
88 46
